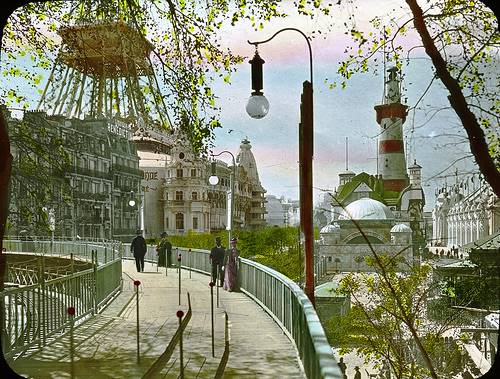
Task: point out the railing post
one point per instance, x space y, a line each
71 313
179 315
94 262
41 278
190 265
211 284
179 257
137 284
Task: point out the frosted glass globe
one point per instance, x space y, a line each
257 106
131 203
213 180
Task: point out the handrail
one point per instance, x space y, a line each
225 355
163 359
287 304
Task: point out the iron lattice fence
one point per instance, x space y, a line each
41 286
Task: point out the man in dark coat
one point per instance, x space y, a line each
164 249
217 259
138 248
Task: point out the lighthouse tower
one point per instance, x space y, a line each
390 116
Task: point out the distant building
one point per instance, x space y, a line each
276 214
345 247
465 212
103 176
388 206
178 197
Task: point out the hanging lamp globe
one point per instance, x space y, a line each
257 105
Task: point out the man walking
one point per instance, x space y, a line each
217 259
138 248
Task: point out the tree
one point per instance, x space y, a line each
388 321
38 179
461 38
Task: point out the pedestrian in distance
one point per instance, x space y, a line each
231 267
217 255
357 374
343 367
164 251
138 248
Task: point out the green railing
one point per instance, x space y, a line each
38 311
282 299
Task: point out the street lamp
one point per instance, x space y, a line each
132 204
306 127
214 180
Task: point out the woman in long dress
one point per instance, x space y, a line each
231 268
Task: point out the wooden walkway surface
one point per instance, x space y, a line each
105 345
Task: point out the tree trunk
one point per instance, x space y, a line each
475 134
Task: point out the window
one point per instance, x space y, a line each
195 222
194 196
166 223
178 195
179 173
179 221
193 172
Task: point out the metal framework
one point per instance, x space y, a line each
104 69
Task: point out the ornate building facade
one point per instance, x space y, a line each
178 197
465 212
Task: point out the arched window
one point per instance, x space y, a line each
194 196
179 221
178 195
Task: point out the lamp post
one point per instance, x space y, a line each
214 180
257 107
132 204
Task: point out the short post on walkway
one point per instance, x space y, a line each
180 314
216 286
137 284
211 284
190 262
71 313
179 257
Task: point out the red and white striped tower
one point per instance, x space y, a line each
390 116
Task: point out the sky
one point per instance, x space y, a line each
338 113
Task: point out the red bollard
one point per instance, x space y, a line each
180 314
137 284
71 313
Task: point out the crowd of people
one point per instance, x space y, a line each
224 261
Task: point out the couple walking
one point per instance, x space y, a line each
225 265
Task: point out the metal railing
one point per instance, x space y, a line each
37 309
285 302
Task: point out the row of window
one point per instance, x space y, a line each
179 222
180 173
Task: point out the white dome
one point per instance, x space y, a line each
401 228
366 209
330 228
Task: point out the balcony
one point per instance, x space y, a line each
92 173
116 168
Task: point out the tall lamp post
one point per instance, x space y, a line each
257 107
132 204
214 180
